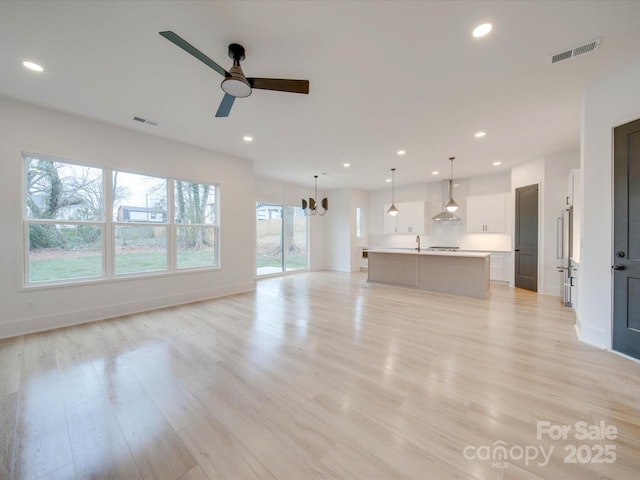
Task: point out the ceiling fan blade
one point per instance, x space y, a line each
280 84
187 47
225 105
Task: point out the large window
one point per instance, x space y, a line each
140 223
281 238
77 229
64 225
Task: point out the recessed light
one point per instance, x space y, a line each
482 30
388 180
435 172
247 138
33 66
346 165
495 164
480 134
401 152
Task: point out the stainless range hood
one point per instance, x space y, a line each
445 215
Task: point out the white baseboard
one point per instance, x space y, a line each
49 322
596 337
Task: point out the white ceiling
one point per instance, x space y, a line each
384 76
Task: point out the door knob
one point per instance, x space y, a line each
517 250
618 267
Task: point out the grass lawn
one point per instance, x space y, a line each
293 261
90 266
65 268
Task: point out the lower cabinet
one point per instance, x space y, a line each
499 270
496 269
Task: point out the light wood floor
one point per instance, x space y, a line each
318 375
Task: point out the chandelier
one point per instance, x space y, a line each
310 207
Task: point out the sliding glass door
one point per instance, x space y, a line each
281 239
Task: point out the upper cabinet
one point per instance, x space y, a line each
487 213
411 219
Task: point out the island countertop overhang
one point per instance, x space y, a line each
399 251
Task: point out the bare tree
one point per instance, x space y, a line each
192 201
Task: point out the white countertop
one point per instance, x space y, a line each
424 252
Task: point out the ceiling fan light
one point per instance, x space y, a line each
236 85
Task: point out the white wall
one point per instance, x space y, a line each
274 191
38 130
342 250
611 102
337 233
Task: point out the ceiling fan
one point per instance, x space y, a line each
235 84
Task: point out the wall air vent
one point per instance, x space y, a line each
586 47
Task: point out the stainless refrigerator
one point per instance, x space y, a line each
564 253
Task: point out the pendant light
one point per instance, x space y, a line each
311 208
393 210
452 206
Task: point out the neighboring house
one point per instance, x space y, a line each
141 214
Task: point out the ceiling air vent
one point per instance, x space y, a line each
144 120
587 47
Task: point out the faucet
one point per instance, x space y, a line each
418 240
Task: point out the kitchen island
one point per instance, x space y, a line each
458 273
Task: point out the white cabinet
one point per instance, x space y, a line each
499 266
497 270
411 219
487 213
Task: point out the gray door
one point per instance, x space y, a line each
626 239
526 242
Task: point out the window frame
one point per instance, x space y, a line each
108 228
